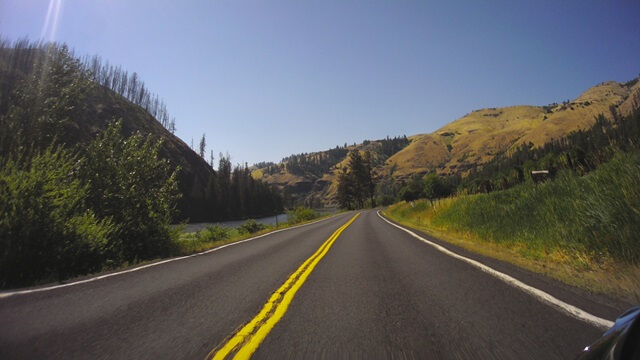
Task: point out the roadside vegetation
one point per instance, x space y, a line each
67 211
580 230
64 214
356 187
581 224
74 203
215 235
596 215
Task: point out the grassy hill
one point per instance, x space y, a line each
472 140
477 137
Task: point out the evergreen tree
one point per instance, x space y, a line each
203 146
224 181
355 181
345 189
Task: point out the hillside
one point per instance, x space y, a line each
308 179
477 137
105 105
470 141
99 106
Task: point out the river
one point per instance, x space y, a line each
269 220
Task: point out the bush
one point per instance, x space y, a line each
300 214
129 183
414 190
46 230
386 200
63 215
213 233
251 226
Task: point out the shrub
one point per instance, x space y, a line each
251 226
414 190
386 200
213 233
46 230
300 214
129 183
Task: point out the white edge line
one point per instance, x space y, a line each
537 293
22 292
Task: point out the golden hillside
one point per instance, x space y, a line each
471 140
477 137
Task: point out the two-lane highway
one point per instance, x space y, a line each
348 285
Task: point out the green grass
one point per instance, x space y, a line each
585 224
597 215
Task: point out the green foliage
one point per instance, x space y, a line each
597 214
435 187
316 164
46 229
112 202
390 146
301 214
414 190
45 103
345 189
386 200
355 182
63 215
213 233
232 193
127 182
251 226
387 190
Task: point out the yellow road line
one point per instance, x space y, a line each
245 342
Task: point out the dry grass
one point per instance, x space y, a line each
257 174
478 136
473 139
283 178
425 152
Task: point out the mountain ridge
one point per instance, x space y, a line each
467 142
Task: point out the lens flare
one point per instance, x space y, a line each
51 21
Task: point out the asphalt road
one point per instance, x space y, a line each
376 292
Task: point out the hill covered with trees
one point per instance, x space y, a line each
50 96
310 178
91 180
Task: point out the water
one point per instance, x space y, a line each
270 220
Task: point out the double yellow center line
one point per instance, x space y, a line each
245 342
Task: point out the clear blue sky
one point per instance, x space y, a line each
265 79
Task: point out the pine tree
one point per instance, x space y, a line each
203 146
345 189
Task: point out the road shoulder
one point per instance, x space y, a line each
600 305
